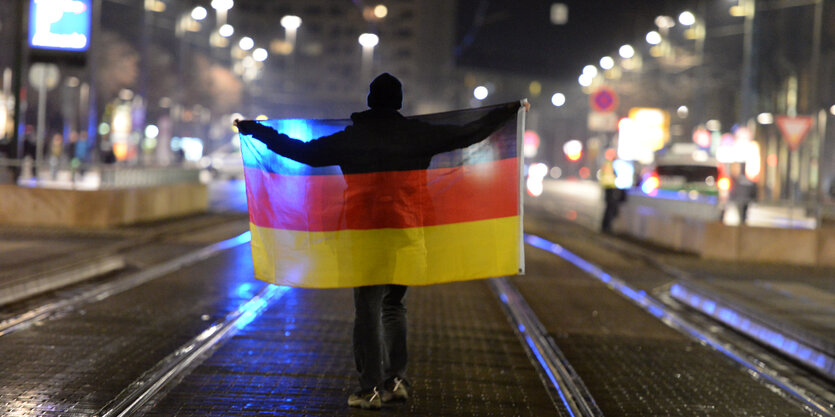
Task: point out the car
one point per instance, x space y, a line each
226 162
688 176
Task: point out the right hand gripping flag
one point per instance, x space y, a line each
459 218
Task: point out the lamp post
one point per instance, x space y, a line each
368 42
291 24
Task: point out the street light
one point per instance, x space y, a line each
686 18
222 7
226 30
591 70
260 54
585 79
653 38
291 24
246 43
199 13
558 99
368 42
480 92
607 63
626 51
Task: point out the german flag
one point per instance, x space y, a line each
388 200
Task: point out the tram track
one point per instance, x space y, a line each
67 301
782 376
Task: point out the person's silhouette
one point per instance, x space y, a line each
381 141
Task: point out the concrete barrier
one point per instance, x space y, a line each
715 240
23 206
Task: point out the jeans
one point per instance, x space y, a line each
379 334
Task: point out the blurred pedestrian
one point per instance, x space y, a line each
743 191
612 196
56 153
380 139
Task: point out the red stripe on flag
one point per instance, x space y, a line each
394 199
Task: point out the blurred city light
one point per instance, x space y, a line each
536 174
369 40
530 143
682 112
607 62
686 18
555 172
558 99
222 4
765 118
653 38
262 117
591 70
832 110
199 13
626 51
535 88
246 43
226 30
291 22
585 79
573 149
664 22
380 11
713 125
151 131
480 92
260 54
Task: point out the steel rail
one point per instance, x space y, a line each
560 379
675 320
107 289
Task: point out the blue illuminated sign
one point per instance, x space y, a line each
60 24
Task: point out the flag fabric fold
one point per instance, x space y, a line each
389 223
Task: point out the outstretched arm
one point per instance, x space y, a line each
456 137
317 153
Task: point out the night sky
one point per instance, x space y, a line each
518 35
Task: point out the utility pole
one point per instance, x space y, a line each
747 107
15 147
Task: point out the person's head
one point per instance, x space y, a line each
385 92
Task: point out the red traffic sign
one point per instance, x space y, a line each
794 129
604 100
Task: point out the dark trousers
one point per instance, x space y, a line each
379 333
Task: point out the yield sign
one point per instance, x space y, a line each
794 129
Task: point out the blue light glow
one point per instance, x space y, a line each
548 372
752 328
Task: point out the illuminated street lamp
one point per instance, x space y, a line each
653 38
591 70
558 99
199 13
222 7
246 43
686 18
368 42
226 30
626 51
480 93
260 54
585 79
607 63
291 24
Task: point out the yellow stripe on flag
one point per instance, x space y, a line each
413 256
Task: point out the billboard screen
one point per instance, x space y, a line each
62 25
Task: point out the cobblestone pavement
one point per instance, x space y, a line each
464 360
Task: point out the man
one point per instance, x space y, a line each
380 140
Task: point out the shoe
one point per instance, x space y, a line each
394 390
369 400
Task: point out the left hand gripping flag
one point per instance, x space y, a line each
459 219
